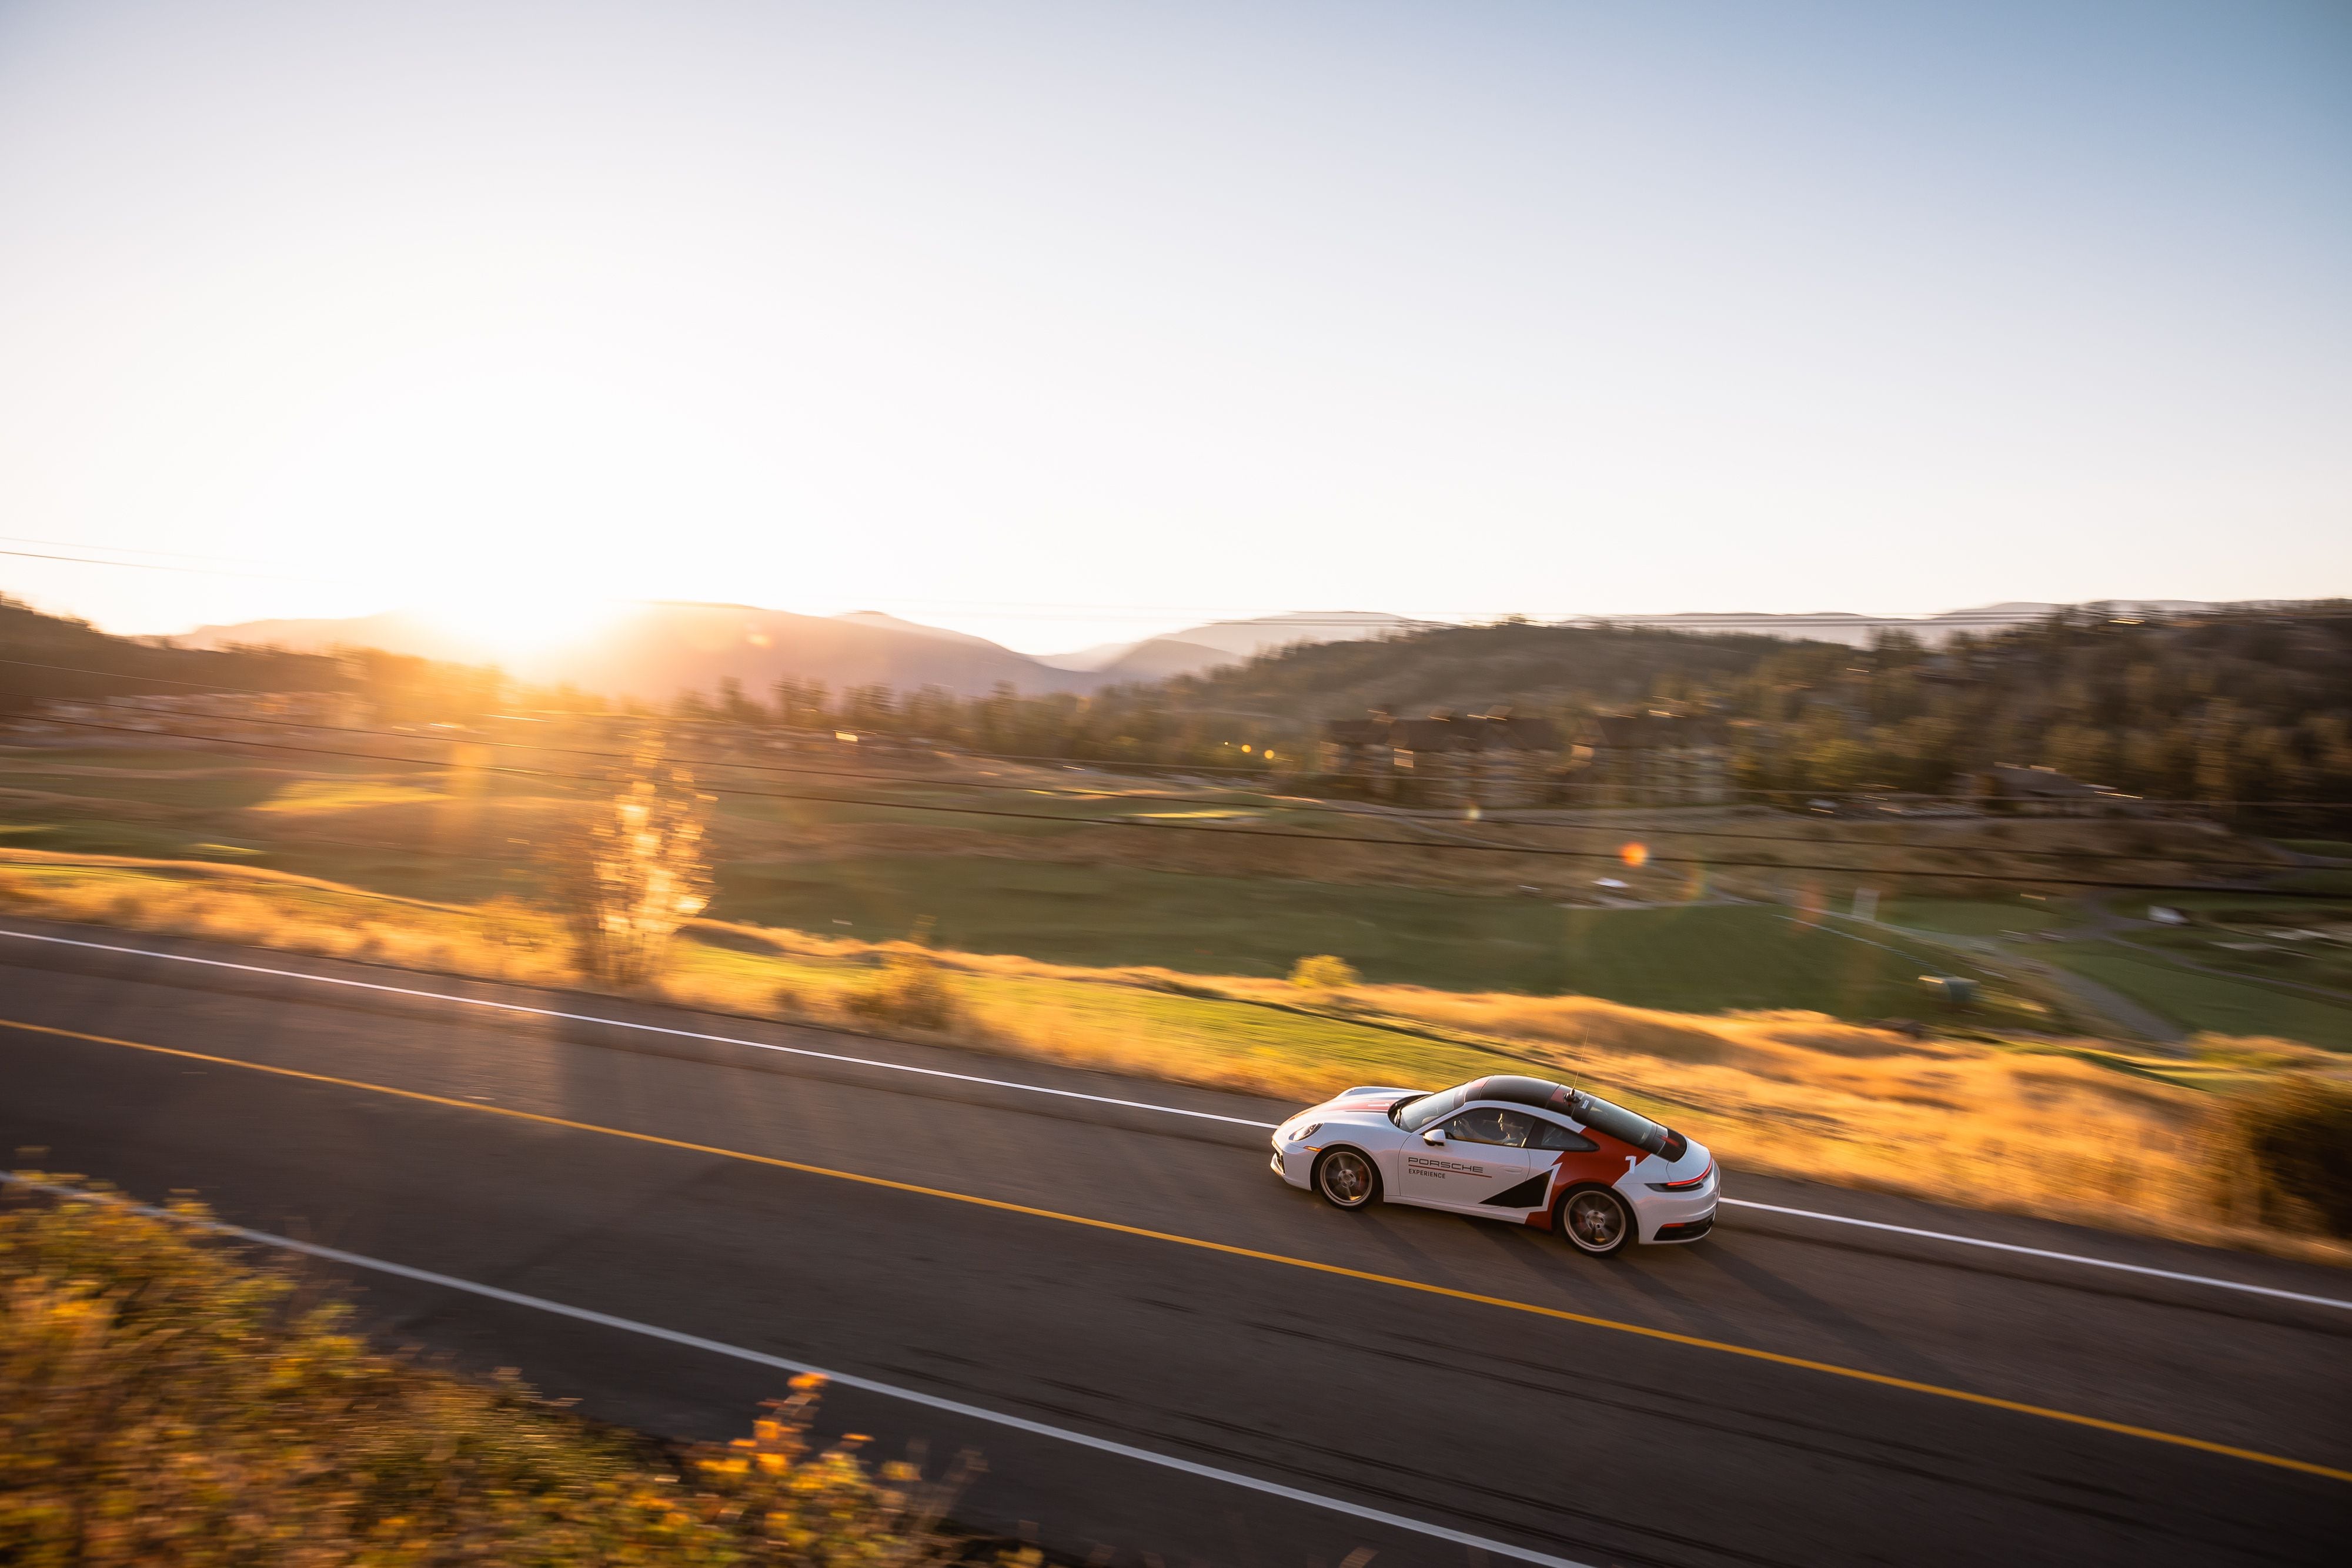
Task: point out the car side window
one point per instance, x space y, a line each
1550 1134
1492 1124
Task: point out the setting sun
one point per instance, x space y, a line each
512 628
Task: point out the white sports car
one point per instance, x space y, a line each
1519 1149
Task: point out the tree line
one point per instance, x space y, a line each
2239 705
2251 706
1135 725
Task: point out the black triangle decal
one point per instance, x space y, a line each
1528 1194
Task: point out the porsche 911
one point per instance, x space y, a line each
1522 1150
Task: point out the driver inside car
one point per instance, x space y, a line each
1492 1124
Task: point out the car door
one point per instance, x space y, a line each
1481 1152
1559 1158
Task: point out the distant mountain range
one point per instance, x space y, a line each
1858 631
658 650
1200 648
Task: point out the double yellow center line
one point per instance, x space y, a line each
1393 1281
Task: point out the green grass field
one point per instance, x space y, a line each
2335 848
467 836
1705 958
2336 884
2197 1001
1974 917
2305 961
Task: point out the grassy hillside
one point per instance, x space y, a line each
2117 1136
2225 706
1721 918
48 657
1707 958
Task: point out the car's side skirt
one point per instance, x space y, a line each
1481 1211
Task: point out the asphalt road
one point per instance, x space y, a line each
1575 1439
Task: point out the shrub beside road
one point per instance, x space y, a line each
172 1402
2068 1127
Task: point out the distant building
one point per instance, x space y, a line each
2044 792
1355 748
1493 758
1649 759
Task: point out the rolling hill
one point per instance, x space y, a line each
658 650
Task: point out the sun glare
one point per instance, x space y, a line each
515 628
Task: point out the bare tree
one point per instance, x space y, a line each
636 870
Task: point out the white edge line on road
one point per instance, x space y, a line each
2045 1252
1126 1104
623 1023
847 1380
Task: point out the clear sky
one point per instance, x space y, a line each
1070 321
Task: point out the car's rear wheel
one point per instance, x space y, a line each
1347 1179
1595 1220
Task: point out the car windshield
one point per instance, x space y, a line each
1412 1115
1619 1123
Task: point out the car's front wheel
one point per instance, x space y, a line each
1595 1220
1347 1179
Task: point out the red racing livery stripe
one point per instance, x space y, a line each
1570 1167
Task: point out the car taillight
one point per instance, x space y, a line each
1693 1185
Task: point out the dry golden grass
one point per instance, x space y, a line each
171 1403
2080 1129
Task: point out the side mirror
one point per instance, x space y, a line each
1435 1137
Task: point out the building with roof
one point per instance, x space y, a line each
1493 758
1652 758
2046 792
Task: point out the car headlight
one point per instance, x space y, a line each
1300 1135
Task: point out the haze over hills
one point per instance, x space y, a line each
1239 640
655 651
1859 631
394 631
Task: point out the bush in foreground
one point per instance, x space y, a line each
1324 972
168 1402
2295 1136
913 991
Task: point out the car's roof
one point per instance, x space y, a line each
1518 1090
1588 1111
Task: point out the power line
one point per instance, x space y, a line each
1457 847
168 680
160 566
1696 622
1120 763
1254 771
1396 814
1128 764
1124 764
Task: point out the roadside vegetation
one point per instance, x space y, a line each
2063 1125
2249 710
627 873
174 1401
1713 965
1702 925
